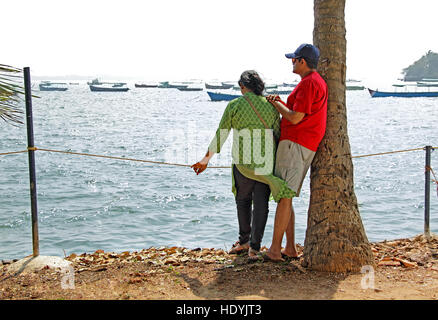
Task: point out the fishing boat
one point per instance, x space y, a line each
403 94
146 85
280 90
96 82
352 84
188 88
427 84
53 86
221 85
105 88
352 87
167 84
217 96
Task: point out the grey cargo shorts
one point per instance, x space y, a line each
292 163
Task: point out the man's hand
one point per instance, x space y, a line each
273 97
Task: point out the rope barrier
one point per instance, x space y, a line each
178 164
390 152
103 156
13 152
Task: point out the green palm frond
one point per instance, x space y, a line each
11 93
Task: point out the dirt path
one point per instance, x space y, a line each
405 269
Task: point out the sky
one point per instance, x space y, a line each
179 40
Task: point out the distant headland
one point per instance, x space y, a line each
424 68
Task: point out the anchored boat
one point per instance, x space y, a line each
217 96
403 94
104 88
221 85
53 86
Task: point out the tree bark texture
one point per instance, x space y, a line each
335 237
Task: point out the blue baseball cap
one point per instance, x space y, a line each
307 51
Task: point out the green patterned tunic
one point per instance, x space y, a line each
254 146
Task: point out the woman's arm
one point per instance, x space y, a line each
216 144
200 166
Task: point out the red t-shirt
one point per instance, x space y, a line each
309 97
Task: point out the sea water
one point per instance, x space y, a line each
89 203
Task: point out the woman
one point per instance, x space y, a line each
253 152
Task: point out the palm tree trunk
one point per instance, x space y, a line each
335 237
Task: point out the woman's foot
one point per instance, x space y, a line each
239 248
253 254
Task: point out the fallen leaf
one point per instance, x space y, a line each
406 263
72 256
389 263
135 280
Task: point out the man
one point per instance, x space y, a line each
303 126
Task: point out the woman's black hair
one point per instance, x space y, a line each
252 81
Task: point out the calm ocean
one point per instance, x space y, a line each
86 203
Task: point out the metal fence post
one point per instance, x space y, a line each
31 153
427 192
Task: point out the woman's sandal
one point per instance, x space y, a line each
239 248
253 255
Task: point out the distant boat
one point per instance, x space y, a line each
53 86
217 96
354 87
218 85
290 84
190 89
167 84
280 91
352 84
429 80
143 85
403 94
103 88
427 84
271 86
96 82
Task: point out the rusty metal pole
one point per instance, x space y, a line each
31 153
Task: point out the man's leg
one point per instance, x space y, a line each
290 249
281 222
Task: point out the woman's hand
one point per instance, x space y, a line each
200 166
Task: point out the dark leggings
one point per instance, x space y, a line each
252 222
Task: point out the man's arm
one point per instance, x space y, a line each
292 116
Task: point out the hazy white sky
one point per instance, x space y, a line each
203 39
